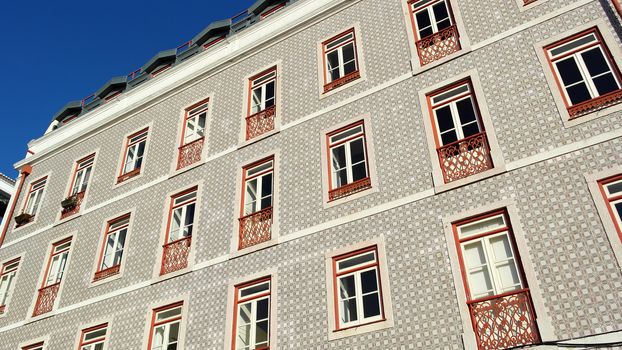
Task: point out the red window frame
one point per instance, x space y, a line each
155 324
599 42
251 87
187 116
102 250
272 11
84 332
237 301
328 86
173 206
246 178
36 346
413 20
51 256
329 147
123 176
610 199
70 119
336 275
31 189
90 160
6 271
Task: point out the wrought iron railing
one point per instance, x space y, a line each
190 153
342 81
504 321
103 274
595 104
255 228
175 255
260 123
438 45
465 157
46 299
69 211
351 188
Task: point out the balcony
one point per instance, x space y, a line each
260 123
351 188
71 205
504 321
175 255
438 45
595 104
46 299
465 157
190 153
255 228
103 274
342 81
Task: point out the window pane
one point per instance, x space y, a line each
255 289
256 101
269 94
339 157
470 129
332 59
440 12
615 187
262 309
168 314
173 333
244 336
266 185
371 305
423 21
346 287
444 119
579 93
158 338
369 282
595 61
569 71
466 110
349 67
357 151
341 178
359 171
357 260
474 255
348 310
261 333
245 314
618 209
449 137
189 219
605 83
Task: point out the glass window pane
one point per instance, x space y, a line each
357 260
261 333
244 336
341 178
349 67
595 61
482 226
158 337
618 209
270 94
614 187
474 255
466 110
449 137
263 287
605 83
423 19
508 276
168 314
346 287
266 185
444 118
245 316
357 151
501 248
470 129
578 93
262 309
371 305
348 311
339 157
173 333
569 71
369 282
359 171
440 11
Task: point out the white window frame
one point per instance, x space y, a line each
122 225
166 324
428 8
181 206
458 126
90 344
35 196
343 41
260 82
55 274
134 142
82 175
8 276
253 299
195 114
361 135
251 173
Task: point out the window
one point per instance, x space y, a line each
251 323
340 60
54 273
611 189
585 72
257 198
33 200
112 248
77 189
262 103
134 153
495 285
461 141
7 281
178 236
357 288
193 134
93 338
165 327
435 29
349 169
37 346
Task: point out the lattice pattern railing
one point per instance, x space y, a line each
595 104
46 299
67 212
255 228
342 81
465 157
438 45
260 123
351 188
102 274
505 321
190 153
175 256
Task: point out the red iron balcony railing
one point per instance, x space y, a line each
465 157
190 153
351 188
74 207
175 255
595 104
255 228
260 123
103 274
504 321
342 81
46 299
438 45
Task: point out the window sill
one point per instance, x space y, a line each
584 118
373 188
360 79
129 175
360 329
130 179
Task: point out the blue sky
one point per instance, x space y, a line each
56 51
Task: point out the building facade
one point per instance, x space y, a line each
352 174
6 191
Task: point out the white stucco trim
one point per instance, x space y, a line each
602 206
43 339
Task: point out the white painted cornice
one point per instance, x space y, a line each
253 38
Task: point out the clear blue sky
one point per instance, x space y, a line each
56 51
